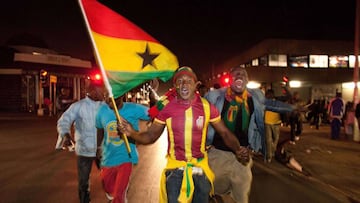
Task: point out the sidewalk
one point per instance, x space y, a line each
21 116
333 163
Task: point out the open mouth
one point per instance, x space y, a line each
184 91
238 83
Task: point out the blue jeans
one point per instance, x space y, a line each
84 168
335 128
173 186
295 126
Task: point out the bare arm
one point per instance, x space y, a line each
242 153
228 137
144 137
100 137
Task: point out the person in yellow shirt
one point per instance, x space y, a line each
272 128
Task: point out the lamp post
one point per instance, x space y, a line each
356 67
40 111
356 51
42 81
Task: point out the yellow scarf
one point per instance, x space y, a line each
187 185
239 99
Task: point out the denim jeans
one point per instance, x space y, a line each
84 168
173 186
335 128
295 127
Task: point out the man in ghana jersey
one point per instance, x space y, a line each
186 116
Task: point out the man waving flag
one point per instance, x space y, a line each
127 55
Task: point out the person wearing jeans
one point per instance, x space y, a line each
82 114
336 111
187 176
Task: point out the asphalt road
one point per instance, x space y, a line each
32 171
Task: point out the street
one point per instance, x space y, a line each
33 172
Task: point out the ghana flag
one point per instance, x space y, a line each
126 54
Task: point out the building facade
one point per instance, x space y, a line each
31 77
320 67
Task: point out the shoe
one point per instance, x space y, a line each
292 142
297 138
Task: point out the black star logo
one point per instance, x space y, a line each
148 57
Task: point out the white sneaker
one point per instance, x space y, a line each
297 138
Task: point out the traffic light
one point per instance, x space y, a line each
285 78
43 77
225 80
285 81
95 77
285 85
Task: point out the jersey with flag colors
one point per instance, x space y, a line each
129 56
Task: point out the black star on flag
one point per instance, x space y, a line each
148 57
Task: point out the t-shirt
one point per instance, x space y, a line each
187 127
114 149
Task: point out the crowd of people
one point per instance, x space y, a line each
212 134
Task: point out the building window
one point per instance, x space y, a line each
338 61
318 61
278 60
299 61
263 61
255 62
352 61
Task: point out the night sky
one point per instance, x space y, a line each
200 33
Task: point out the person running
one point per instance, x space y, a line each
242 110
272 128
187 176
82 115
116 162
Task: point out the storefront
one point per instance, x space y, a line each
31 77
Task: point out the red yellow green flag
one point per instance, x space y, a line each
127 55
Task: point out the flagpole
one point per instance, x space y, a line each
105 79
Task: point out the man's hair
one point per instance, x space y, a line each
239 68
269 93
